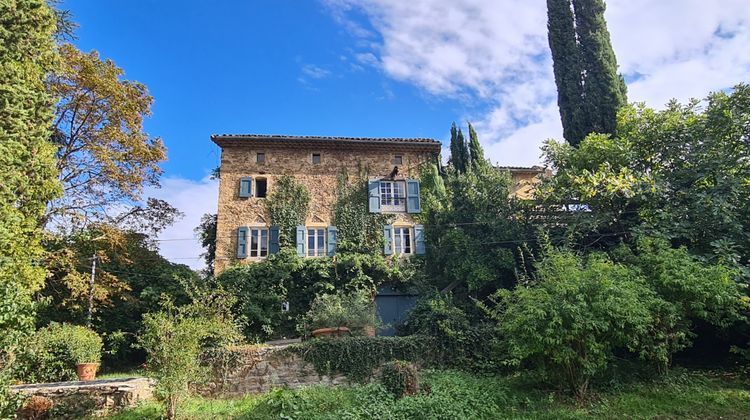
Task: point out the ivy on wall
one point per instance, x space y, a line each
359 230
288 206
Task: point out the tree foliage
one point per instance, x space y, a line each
287 206
27 166
206 232
104 156
590 91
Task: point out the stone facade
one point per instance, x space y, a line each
104 395
257 369
293 155
524 180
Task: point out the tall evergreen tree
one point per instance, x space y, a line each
463 149
590 91
566 61
475 149
27 158
604 89
459 151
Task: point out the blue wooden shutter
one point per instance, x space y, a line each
332 239
273 240
373 189
246 187
242 242
413 200
419 239
388 240
301 241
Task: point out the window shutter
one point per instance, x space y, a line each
419 239
373 188
332 239
388 239
301 241
246 187
273 240
242 242
413 200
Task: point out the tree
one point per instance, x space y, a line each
206 231
590 91
27 166
566 62
604 89
475 149
104 156
459 151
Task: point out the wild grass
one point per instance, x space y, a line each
682 394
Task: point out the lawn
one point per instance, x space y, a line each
451 395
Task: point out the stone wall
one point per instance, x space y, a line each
103 395
257 369
319 179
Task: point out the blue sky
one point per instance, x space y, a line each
382 68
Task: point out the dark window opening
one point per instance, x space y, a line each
316 158
398 160
261 186
261 158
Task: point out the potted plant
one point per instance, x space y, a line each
340 314
86 350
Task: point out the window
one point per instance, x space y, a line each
258 242
316 242
393 195
261 186
398 160
402 240
260 157
316 158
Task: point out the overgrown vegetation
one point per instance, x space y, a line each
354 310
287 205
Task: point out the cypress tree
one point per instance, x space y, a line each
590 91
27 158
459 150
568 69
604 89
464 151
475 149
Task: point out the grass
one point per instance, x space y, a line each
118 375
682 394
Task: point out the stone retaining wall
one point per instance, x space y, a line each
102 395
256 369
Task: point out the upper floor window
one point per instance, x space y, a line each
398 160
393 195
261 187
316 158
260 157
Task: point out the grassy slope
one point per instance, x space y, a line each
456 395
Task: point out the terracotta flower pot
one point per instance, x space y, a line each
331 332
87 371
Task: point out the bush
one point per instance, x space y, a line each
400 378
51 354
568 324
354 310
174 342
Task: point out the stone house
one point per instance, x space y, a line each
251 165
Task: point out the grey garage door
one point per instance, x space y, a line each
392 308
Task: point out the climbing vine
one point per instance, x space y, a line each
288 206
359 230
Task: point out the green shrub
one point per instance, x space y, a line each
358 357
174 342
568 324
51 354
354 310
400 378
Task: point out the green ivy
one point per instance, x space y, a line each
359 230
288 206
358 357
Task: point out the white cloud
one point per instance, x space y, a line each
178 243
495 52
